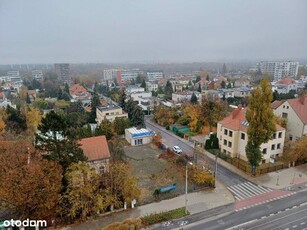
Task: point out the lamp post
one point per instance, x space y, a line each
186 186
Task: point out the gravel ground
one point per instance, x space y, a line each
153 173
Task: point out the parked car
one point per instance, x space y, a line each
177 149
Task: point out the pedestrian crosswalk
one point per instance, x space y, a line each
246 190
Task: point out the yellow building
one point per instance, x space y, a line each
109 112
232 134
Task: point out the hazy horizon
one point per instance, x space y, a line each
153 31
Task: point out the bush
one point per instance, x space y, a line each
208 144
201 177
167 127
163 216
215 143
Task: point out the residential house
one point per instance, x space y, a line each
242 82
109 112
295 112
232 134
32 94
137 136
79 93
185 96
96 150
285 85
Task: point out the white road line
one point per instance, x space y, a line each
238 192
254 188
238 195
248 193
294 226
302 223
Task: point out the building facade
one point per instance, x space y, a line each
109 112
295 113
279 69
232 134
138 136
62 70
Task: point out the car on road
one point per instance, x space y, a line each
177 149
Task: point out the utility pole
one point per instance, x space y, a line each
186 188
215 172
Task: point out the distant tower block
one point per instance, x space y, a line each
62 70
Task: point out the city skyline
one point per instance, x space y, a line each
151 31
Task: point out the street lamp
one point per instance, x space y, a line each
186 186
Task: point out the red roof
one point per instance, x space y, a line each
236 118
276 104
77 89
95 148
1 95
286 81
299 105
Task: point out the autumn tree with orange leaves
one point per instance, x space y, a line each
30 185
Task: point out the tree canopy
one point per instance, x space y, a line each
261 120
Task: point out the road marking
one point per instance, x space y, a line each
237 226
294 226
279 218
302 223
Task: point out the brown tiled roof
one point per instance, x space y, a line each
276 104
77 88
1 94
95 148
235 119
299 105
286 81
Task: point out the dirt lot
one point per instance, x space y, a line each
153 173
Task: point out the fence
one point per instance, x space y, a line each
245 167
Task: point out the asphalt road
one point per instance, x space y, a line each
224 175
287 213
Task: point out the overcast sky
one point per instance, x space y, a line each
77 31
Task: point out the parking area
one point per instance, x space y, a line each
153 172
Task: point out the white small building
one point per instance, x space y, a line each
138 136
134 89
285 85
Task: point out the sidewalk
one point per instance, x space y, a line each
197 202
282 179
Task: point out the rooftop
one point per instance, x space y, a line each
108 107
95 148
237 121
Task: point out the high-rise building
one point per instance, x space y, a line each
279 69
37 74
62 70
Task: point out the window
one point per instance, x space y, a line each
229 144
230 133
279 134
273 147
243 136
263 161
278 146
264 151
274 136
283 106
284 115
290 137
225 131
225 142
140 141
107 113
287 107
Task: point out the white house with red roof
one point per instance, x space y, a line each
295 111
232 134
285 85
79 93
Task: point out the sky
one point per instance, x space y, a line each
108 31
